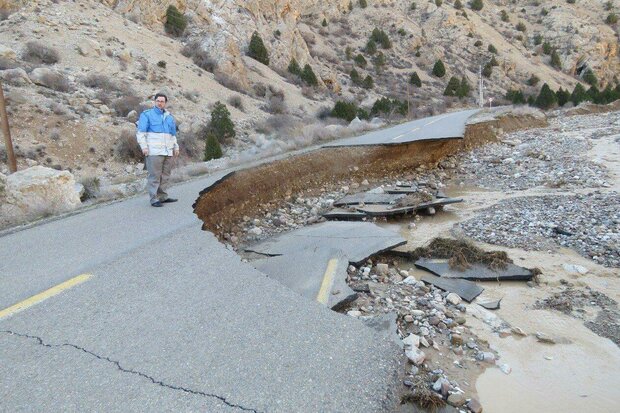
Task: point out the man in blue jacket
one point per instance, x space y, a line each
157 136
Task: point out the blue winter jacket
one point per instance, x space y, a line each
157 131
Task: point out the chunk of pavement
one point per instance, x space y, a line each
383 210
410 280
344 214
385 325
467 290
415 355
306 271
368 199
477 272
357 240
491 305
456 399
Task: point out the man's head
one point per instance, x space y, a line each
160 100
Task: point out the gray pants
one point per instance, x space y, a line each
159 168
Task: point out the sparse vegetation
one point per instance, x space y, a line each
363 4
236 102
458 5
476 5
555 60
37 52
371 47
590 78
533 80
368 82
127 148
176 22
612 18
213 149
257 49
504 16
380 37
521 27
199 56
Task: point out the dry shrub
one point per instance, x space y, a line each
199 56
58 108
37 52
260 90
190 144
461 254
127 148
275 101
92 187
236 102
56 81
104 83
122 106
192 95
229 82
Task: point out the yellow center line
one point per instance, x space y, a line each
328 281
36 299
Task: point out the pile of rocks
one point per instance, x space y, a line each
588 223
554 157
431 324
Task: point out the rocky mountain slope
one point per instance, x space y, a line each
76 110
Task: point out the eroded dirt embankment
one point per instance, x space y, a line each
246 192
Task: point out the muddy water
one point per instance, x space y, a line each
581 372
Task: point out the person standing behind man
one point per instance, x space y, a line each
157 137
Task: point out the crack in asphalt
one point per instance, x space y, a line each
124 370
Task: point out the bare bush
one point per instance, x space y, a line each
127 148
58 108
92 187
192 95
229 82
236 102
260 90
37 52
199 56
56 81
190 144
276 101
122 106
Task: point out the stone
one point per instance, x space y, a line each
7 53
544 338
410 280
453 298
88 47
575 269
518 331
486 356
456 340
132 116
505 368
105 110
474 405
424 342
382 269
43 76
256 231
35 192
354 313
409 318
412 340
17 77
415 355
456 399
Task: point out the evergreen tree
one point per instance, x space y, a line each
308 76
221 125
294 68
371 47
350 5
458 5
579 94
464 88
563 96
476 5
257 49
516 97
492 49
546 98
324 23
355 77
609 94
414 79
547 49
344 110
439 69
348 52
175 21
594 95
555 59
381 38
590 78
452 87
213 150
368 83
379 61
533 80
487 70
360 60
363 4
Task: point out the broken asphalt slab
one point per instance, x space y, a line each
357 240
382 210
467 290
318 275
477 272
368 198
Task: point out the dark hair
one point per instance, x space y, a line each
157 95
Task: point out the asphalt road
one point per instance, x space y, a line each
171 320
446 126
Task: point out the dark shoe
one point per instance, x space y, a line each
157 204
167 200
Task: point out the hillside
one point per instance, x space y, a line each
76 109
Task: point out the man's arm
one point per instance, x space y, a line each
143 124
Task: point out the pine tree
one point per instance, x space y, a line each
464 88
563 96
452 87
458 5
324 22
363 4
594 95
492 49
355 77
579 94
379 60
546 98
221 125
294 68
213 150
350 5
487 70
368 83
439 69
515 96
555 59
257 49
371 47
175 21
308 76
414 79
476 5
344 110
590 78
360 60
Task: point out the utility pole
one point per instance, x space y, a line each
480 87
7 133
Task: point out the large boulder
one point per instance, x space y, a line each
17 77
36 192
